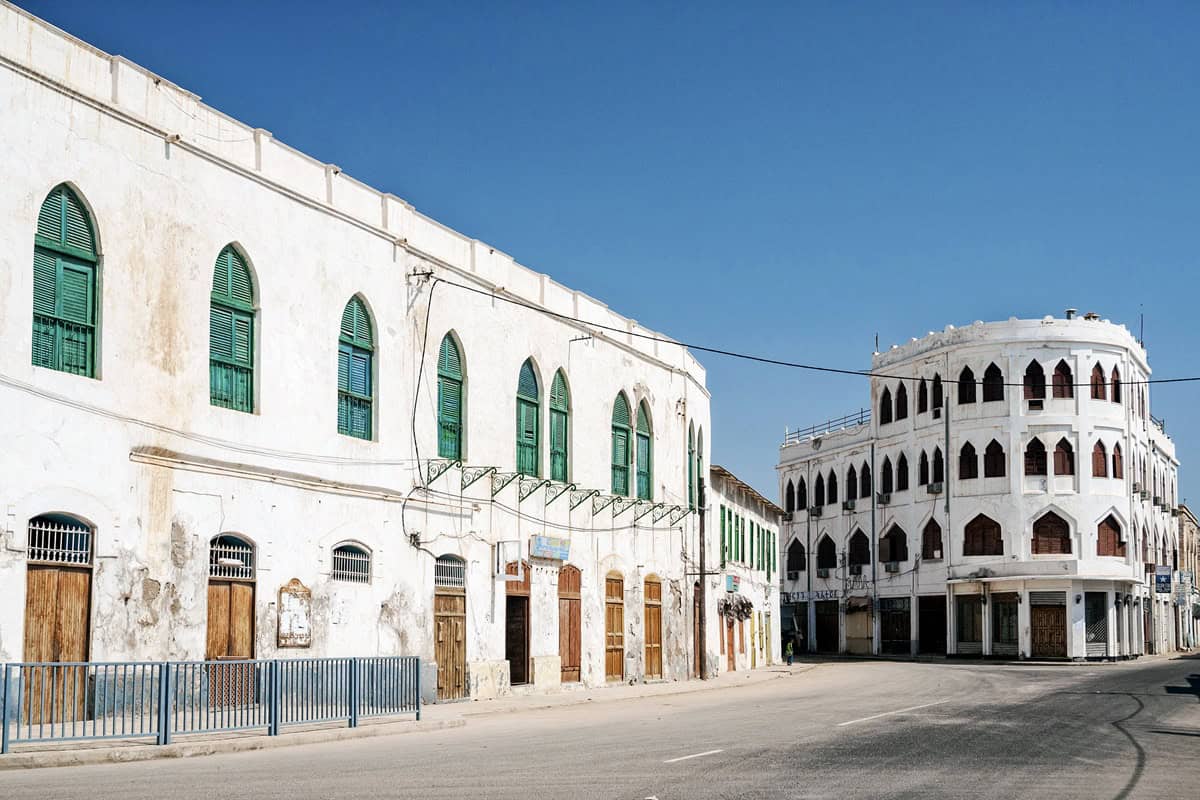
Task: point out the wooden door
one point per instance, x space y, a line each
697 642
1049 627
730 657
230 637
614 626
57 610
652 623
450 644
569 629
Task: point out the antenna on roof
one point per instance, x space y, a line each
1141 325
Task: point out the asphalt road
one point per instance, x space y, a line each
842 730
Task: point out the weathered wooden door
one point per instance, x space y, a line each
652 622
1049 628
569 631
230 637
57 610
730 656
614 627
450 644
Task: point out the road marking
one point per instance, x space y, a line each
889 713
693 755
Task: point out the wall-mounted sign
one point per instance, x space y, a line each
1162 579
295 615
732 583
801 597
550 547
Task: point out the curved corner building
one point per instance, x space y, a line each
1008 494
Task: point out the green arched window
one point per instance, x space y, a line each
560 420
356 349
691 462
528 430
450 400
621 431
645 469
231 333
64 285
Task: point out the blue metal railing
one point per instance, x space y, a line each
74 701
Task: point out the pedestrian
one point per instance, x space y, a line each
789 652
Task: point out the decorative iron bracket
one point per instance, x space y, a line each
437 467
601 502
472 474
579 497
623 504
678 513
557 490
527 486
661 510
502 479
646 509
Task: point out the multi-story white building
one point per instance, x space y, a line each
1009 494
1187 593
748 608
254 408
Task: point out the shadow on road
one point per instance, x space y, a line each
1193 687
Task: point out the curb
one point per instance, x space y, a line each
188 749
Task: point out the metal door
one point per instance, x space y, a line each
1095 610
569 636
450 644
614 628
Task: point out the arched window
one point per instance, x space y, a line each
885 406
894 545
450 399
230 558
1051 535
1108 538
902 473
1116 384
931 541
923 469
968 462
966 386
351 562
356 350
231 333
1118 462
901 402
802 495
994 462
691 467
645 455
65 262
1035 381
529 449
885 476
859 549
982 537
795 556
936 400
450 571
1064 458
864 480
622 431
826 553
851 483
922 397
993 384
1064 381
789 497
831 488
819 490
1099 461
560 427
1099 384
1035 457
939 466
59 539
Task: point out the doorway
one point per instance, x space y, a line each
730 657
450 627
931 624
652 625
1095 610
516 622
895 625
230 631
827 626
697 640
1048 624
569 636
614 627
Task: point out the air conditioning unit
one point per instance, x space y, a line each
1145 495
815 511
934 488
1036 405
891 566
1158 500
885 498
856 569
822 572
1174 512
787 517
937 413
793 576
937 555
1137 487
847 505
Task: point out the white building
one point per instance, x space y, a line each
748 611
252 407
1008 495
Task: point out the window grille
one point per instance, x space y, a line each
231 558
59 541
450 571
351 563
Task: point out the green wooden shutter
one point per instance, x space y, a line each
724 542
558 445
527 438
620 461
64 285
355 354
449 418
45 278
231 333
644 468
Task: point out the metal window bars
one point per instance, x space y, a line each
59 542
230 558
351 563
450 571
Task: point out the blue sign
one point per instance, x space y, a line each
550 547
732 583
1162 580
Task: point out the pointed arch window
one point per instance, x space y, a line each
1064 458
795 556
789 497
968 462
65 262
893 546
356 351
831 488
622 432
922 397
939 466
901 402
1116 384
994 462
885 476
826 553
993 384
1108 538
851 483
560 427
931 541
802 495
864 479
645 455
902 473
923 469
885 406
1035 457
1051 536
1099 384
936 399
450 399
231 333
859 549
1099 461
529 446
1035 382
1064 381
966 386
819 490
982 537
1118 462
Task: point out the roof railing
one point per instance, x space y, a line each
860 417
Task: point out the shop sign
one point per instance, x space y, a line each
801 597
732 583
1162 579
550 547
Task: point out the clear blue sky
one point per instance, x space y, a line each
777 179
